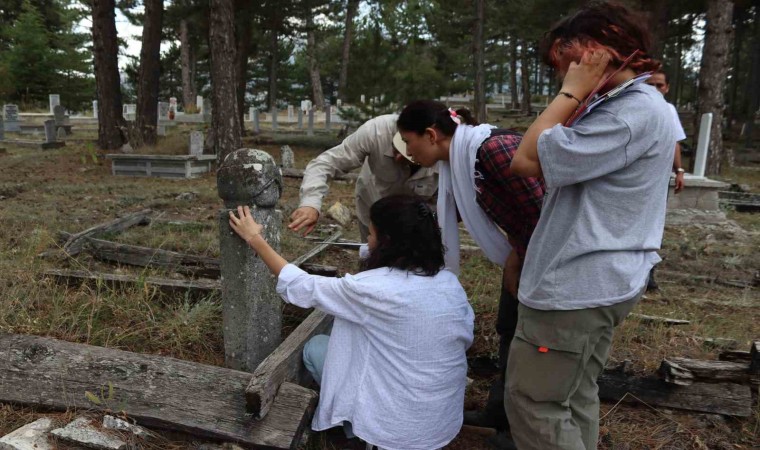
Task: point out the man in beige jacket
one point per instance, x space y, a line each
384 172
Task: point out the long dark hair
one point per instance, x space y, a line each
606 25
421 114
408 236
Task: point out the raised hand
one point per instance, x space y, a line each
581 78
304 217
244 225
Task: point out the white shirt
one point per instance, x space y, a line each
680 134
396 365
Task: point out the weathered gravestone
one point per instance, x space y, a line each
59 115
310 131
287 157
55 100
11 118
163 111
196 142
95 109
60 134
300 119
291 113
250 113
252 310
199 103
50 133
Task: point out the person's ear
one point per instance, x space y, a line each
431 134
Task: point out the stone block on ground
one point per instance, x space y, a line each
288 158
60 134
340 213
82 432
32 436
114 423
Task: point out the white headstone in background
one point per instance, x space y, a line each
163 111
173 104
250 113
95 109
10 112
199 103
703 145
305 105
161 130
196 143
362 98
291 112
55 100
287 157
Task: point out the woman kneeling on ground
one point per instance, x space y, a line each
394 367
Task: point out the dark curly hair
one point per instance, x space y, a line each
602 25
421 114
408 236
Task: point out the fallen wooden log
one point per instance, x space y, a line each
655 320
76 242
156 391
298 173
715 398
284 364
201 266
685 371
754 356
735 355
199 286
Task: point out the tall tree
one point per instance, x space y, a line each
351 8
150 71
314 75
513 71
225 119
186 57
111 123
713 73
478 45
525 106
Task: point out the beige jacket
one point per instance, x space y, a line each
371 148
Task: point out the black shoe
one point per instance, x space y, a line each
501 441
480 418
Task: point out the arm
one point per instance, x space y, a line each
250 231
579 81
676 166
511 274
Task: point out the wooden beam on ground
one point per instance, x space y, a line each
715 398
735 355
198 287
284 364
685 371
298 173
156 391
657 320
201 266
317 250
76 242
754 356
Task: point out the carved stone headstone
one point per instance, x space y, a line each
287 157
310 130
250 113
55 100
291 112
59 115
60 134
161 130
196 142
252 310
95 109
50 135
199 103
11 117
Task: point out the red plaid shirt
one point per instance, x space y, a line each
512 202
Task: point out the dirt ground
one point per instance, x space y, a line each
71 189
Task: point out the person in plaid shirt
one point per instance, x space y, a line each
474 161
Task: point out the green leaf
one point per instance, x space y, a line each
92 397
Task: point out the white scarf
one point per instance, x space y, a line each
456 190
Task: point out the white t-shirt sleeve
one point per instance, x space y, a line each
334 296
680 134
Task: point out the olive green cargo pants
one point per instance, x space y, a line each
551 395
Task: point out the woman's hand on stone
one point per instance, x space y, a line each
244 225
584 77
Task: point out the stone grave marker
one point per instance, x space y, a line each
50 128
287 157
291 113
2 128
310 130
250 113
199 103
196 142
206 110
161 130
55 100
300 119
163 111
95 109
363 98
60 134
59 115
703 144
328 109
252 310
11 117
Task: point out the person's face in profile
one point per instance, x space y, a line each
658 81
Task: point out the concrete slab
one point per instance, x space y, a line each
81 431
32 436
698 193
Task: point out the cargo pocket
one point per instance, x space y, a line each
545 362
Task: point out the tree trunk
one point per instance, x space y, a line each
311 49
243 52
478 50
658 17
525 78
150 71
753 88
225 120
713 73
513 70
111 123
188 91
353 6
273 60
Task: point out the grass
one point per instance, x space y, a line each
71 189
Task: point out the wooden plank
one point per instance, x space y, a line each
76 242
201 266
657 320
198 287
317 250
735 355
716 398
685 371
284 364
754 356
298 173
156 391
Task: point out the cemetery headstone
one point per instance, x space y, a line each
59 115
199 103
206 110
310 130
50 135
2 128
172 107
60 134
339 102
300 119
328 109
252 310
55 100
163 111
11 118
250 113
161 130
196 142
363 98
256 125
703 144
95 109
274 119
291 112
287 157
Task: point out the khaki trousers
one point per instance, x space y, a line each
555 359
